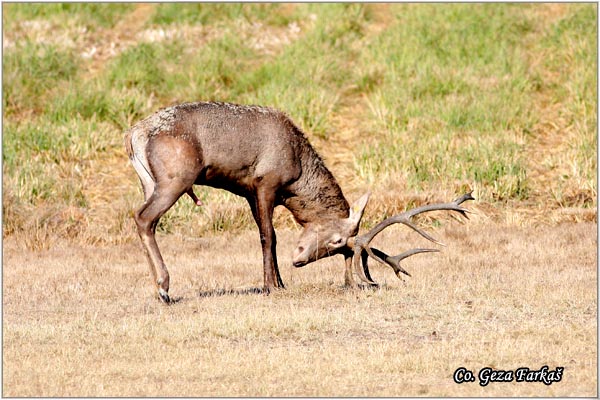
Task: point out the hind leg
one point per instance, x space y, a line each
146 218
175 164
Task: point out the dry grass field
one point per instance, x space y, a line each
83 321
417 103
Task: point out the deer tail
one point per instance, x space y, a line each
136 142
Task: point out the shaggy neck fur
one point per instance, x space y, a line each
316 195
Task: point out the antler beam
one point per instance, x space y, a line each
361 243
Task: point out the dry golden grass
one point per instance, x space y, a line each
83 321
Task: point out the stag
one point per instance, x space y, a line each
259 154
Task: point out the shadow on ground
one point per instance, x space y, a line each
231 292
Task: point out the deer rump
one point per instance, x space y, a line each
260 154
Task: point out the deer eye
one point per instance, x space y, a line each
336 242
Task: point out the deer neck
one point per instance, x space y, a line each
316 195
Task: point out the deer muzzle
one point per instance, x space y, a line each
300 257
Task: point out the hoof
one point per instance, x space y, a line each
164 296
272 289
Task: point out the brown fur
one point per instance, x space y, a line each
255 152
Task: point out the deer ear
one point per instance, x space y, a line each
357 209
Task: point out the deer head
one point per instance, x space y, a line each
340 236
328 237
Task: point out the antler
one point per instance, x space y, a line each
360 244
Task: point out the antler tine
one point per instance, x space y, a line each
463 198
394 261
404 218
364 256
360 243
407 222
361 271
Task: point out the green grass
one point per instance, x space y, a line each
203 13
455 91
92 15
433 97
31 74
318 83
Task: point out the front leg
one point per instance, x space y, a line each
349 280
268 240
262 209
348 275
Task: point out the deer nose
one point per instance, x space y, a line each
298 264
299 259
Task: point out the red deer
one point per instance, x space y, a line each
257 153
